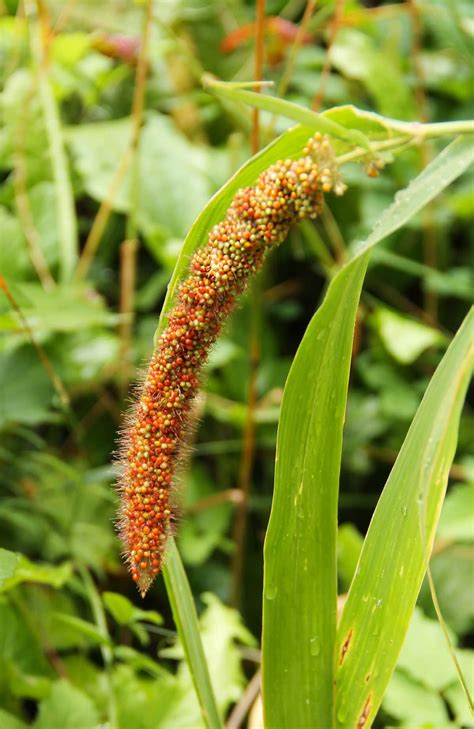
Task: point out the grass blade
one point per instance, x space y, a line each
398 544
446 167
184 613
311 119
65 207
300 586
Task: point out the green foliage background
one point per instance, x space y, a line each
78 652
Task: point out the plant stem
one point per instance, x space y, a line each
101 622
128 266
359 153
291 60
185 618
65 208
258 70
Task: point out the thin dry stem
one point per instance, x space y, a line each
430 239
242 708
128 256
103 214
335 25
248 452
44 359
258 71
229 496
292 56
30 231
334 234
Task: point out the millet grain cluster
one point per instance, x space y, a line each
258 219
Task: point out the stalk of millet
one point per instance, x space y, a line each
258 219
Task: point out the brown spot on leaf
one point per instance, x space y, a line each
362 722
345 646
368 677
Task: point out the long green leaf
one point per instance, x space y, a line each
311 119
184 613
354 126
399 541
300 572
300 585
446 167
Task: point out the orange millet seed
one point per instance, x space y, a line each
258 218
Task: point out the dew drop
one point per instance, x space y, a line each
315 646
342 714
271 592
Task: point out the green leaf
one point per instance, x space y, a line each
425 655
374 126
8 564
446 167
139 661
456 520
300 590
27 685
14 259
451 570
455 694
405 339
125 612
184 614
8 721
410 701
42 573
67 708
165 702
28 390
349 545
121 609
65 309
311 119
83 628
357 56
18 643
383 593
173 173
221 627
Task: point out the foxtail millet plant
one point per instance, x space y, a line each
258 219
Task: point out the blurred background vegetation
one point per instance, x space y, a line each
104 164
